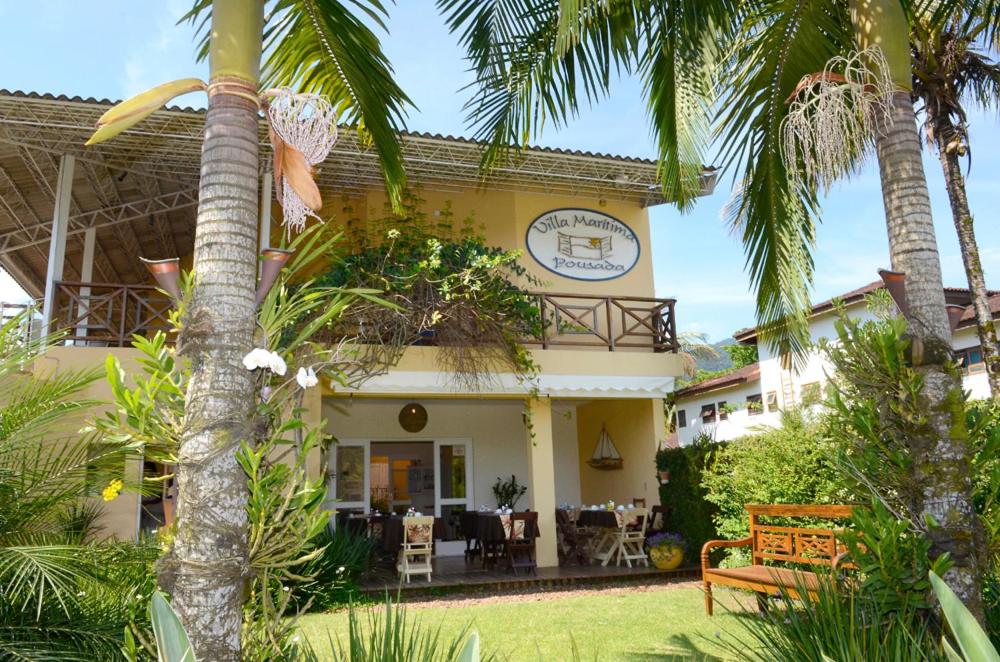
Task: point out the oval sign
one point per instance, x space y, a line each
582 244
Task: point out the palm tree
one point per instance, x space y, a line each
739 64
948 72
317 46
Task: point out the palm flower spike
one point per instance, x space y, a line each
303 130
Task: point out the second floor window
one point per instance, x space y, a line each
682 419
723 412
772 401
972 359
755 404
708 413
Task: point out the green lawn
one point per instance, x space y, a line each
657 623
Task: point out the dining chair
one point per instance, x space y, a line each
574 544
519 546
417 548
631 543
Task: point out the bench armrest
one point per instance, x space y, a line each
713 544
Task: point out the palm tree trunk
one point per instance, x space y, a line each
955 183
209 564
940 472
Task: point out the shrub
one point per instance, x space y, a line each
333 575
793 463
692 515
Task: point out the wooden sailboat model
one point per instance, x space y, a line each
606 455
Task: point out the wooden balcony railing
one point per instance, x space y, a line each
108 314
105 314
606 322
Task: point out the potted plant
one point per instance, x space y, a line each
666 550
507 493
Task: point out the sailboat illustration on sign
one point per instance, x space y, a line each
589 248
606 455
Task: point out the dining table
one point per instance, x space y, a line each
605 524
487 529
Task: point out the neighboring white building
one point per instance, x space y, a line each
735 404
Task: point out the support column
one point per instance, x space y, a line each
542 478
86 276
57 242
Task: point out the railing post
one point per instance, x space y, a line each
541 312
611 331
124 314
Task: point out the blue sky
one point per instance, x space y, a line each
115 48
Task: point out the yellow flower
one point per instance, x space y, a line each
111 492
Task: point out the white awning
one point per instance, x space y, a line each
410 383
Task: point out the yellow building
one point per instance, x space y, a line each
74 222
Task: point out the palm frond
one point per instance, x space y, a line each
46 574
780 41
526 73
320 46
678 67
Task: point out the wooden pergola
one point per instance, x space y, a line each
136 195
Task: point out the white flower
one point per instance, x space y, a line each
261 358
278 366
306 377
257 358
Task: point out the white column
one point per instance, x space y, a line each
57 243
86 276
542 479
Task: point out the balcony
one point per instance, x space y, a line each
109 314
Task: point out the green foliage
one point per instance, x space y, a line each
344 558
972 641
63 594
875 407
172 642
508 492
893 559
839 624
793 463
741 355
447 286
389 634
692 515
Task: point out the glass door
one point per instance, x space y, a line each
453 490
348 477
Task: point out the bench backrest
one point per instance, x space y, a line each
795 544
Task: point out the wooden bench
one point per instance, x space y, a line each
788 544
